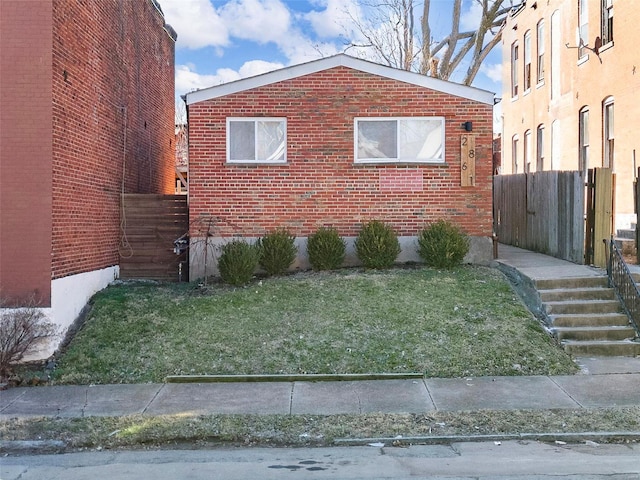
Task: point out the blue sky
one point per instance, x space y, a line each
225 40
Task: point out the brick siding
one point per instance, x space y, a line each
320 184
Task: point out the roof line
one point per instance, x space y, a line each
339 60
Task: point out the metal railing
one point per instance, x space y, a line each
621 280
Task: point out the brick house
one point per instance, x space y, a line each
87 95
337 142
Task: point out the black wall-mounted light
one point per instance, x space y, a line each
468 126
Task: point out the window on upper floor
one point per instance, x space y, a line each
514 69
608 138
540 45
399 139
583 139
606 22
528 146
583 27
256 140
527 61
540 148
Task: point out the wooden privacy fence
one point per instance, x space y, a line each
151 224
542 212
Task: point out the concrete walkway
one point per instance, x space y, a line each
604 382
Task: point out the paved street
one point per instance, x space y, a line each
517 460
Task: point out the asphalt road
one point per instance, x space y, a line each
515 460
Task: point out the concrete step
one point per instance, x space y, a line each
574 282
564 294
590 320
583 306
595 333
621 348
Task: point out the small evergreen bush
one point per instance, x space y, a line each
326 249
442 245
377 245
237 262
277 251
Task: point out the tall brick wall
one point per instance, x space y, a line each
320 184
113 104
25 150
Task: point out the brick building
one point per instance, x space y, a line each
570 67
87 95
337 142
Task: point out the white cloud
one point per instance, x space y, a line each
335 20
261 21
188 79
197 23
493 71
470 19
257 67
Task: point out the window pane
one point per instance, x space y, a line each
377 139
242 140
271 141
421 139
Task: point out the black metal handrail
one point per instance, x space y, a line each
621 280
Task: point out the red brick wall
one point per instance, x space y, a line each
25 150
320 184
113 107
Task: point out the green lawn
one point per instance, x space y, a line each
462 322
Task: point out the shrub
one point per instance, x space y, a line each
442 244
21 330
277 251
326 249
377 245
237 262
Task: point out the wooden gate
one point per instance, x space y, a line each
151 224
599 215
542 212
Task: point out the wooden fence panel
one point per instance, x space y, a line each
151 223
542 212
603 224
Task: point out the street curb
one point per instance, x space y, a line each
602 437
312 377
30 446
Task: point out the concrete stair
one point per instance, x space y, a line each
587 318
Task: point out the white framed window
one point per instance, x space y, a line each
256 140
606 20
583 28
514 69
514 153
540 148
608 138
528 147
527 61
540 45
399 139
583 139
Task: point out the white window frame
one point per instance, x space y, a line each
257 120
583 139
606 22
583 28
540 48
528 150
608 133
515 143
527 62
515 52
440 159
540 148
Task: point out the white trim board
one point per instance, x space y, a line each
340 60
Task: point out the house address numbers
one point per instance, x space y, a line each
468 160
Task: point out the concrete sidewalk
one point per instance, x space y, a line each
325 398
604 382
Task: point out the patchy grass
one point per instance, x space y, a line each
461 322
300 430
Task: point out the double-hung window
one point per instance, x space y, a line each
583 138
399 139
256 140
540 45
583 29
527 61
606 16
608 138
514 69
